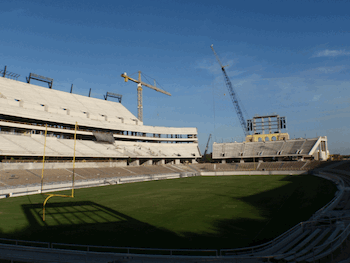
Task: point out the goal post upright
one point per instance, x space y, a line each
42 171
73 175
75 145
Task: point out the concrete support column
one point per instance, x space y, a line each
223 161
241 161
177 161
161 162
194 161
261 160
135 163
148 162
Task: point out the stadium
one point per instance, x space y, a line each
55 142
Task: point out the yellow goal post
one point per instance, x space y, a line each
42 171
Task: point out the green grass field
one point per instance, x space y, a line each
197 212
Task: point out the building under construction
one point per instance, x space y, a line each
107 131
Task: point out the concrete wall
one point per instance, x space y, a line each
30 190
253 173
20 191
61 165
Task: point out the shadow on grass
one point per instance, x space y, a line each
89 223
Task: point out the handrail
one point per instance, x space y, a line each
128 249
336 198
269 244
17 241
343 236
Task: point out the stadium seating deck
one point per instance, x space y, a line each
251 166
33 176
276 149
53 175
345 166
18 177
27 145
26 108
57 101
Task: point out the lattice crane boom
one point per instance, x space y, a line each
139 92
206 148
233 95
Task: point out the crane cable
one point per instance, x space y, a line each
158 84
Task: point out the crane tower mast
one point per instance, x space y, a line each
139 92
233 95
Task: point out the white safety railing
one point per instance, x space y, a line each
331 204
268 245
331 245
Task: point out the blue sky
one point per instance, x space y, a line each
285 57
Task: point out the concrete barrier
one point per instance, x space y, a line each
222 173
60 165
53 187
36 189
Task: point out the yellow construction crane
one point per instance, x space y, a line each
139 92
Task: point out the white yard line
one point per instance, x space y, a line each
128 170
75 173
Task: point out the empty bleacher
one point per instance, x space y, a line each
203 167
297 144
34 146
26 108
159 169
270 166
19 177
53 175
285 148
318 164
56 101
9 178
8 146
115 172
308 145
291 165
344 165
272 148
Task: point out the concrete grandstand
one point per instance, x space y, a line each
268 143
25 109
294 149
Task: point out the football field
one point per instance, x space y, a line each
196 212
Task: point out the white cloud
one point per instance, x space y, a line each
204 64
332 53
316 97
330 69
214 68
